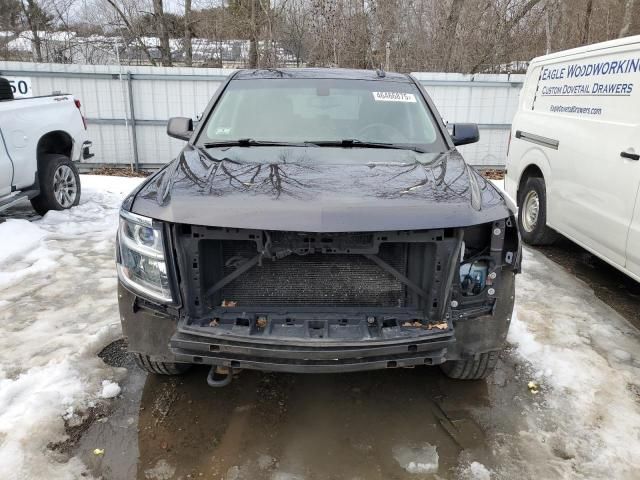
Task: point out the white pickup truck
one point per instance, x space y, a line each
40 138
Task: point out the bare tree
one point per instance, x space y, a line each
188 48
630 21
37 20
126 19
508 20
466 36
449 33
163 33
587 22
295 30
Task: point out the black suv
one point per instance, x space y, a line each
317 221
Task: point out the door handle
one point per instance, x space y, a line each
630 156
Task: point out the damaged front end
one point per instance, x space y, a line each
324 302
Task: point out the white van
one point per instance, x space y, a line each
573 163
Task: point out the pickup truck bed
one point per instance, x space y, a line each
40 138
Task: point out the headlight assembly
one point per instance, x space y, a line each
141 263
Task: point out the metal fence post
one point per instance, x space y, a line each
134 137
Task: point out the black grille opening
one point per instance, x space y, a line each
317 279
328 271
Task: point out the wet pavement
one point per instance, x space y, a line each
278 426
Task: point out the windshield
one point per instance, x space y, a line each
322 110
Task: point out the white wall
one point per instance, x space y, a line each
162 92
489 100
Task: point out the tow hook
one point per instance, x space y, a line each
219 376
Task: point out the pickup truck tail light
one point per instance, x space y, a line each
78 104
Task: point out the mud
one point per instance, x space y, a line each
278 426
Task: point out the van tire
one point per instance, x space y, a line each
50 165
537 233
471 369
160 368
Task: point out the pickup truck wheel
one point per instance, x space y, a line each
59 184
161 368
471 369
532 213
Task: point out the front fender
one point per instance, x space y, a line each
532 157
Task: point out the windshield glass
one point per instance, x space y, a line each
322 110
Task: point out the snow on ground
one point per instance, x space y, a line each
474 471
58 308
586 358
421 459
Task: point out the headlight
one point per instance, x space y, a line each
141 262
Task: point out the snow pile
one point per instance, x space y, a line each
109 389
422 459
161 471
58 308
18 237
586 358
474 471
22 253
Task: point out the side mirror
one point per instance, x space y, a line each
465 133
180 128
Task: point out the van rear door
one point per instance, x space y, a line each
6 169
594 100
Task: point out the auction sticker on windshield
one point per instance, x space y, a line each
394 97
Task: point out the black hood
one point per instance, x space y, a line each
319 189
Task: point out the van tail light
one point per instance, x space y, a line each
78 104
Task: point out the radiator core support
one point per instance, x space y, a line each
405 275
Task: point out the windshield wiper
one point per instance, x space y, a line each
353 142
345 143
250 142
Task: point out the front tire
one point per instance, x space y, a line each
59 184
471 369
532 213
160 368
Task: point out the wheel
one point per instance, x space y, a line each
532 213
160 368
471 369
59 184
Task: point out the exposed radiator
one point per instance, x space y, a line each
315 279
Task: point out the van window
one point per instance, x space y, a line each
528 94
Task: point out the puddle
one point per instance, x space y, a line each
375 425
422 459
117 434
